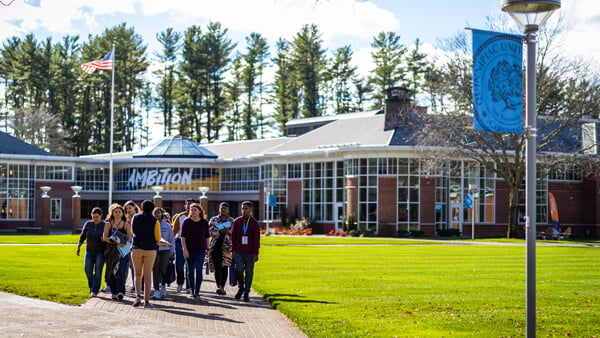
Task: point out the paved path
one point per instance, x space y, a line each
176 315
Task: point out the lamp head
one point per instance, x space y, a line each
157 189
45 190
76 189
530 14
204 190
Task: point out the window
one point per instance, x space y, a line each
275 182
409 187
16 191
55 209
92 179
54 173
322 189
239 179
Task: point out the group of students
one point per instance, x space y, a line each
147 239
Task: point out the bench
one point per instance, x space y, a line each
28 229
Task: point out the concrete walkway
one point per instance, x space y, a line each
176 315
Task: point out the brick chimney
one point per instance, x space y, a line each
397 107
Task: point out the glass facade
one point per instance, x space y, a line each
16 191
54 173
323 190
239 179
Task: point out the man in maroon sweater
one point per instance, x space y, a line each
245 240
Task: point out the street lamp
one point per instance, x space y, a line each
76 189
45 189
157 189
530 15
204 190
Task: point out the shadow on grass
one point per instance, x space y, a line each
278 298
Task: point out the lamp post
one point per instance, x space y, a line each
530 15
76 213
204 198
157 198
473 189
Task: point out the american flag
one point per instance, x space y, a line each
104 64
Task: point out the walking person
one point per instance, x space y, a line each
219 227
131 208
146 238
163 255
117 262
94 250
194 240
181 270
245 238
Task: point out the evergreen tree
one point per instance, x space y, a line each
389 70
218 48
285 86
342 72
233 94
257 52
166 74
309 60
417 67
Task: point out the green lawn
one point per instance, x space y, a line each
433 290
20 238
380 290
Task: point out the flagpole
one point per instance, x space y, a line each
112 112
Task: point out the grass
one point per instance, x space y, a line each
50 272
369 290
19 238
430 290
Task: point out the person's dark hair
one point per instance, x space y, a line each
147 207
247 204
191 200
97 210
224 204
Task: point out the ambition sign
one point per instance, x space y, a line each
139 178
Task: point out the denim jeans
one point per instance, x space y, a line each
93 265
180 265
244 263
195 264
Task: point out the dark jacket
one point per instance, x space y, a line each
92 232
253 233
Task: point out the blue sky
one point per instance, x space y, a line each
341 22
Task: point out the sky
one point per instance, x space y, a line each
341 22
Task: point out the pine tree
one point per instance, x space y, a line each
309 60
165 90
389 71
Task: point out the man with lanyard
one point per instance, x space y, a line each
179 259
245 238
219 227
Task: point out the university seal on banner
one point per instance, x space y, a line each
498 82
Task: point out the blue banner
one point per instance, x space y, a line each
497 81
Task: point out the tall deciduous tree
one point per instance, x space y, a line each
567 91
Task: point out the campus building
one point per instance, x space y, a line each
325 169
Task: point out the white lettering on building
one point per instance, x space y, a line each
150 177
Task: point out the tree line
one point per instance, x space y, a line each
204 87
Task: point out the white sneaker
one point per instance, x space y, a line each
179 288
156 294
106 289
163 290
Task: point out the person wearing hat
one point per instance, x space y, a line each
219 227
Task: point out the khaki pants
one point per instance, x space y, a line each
143 261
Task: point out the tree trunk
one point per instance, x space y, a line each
513 213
